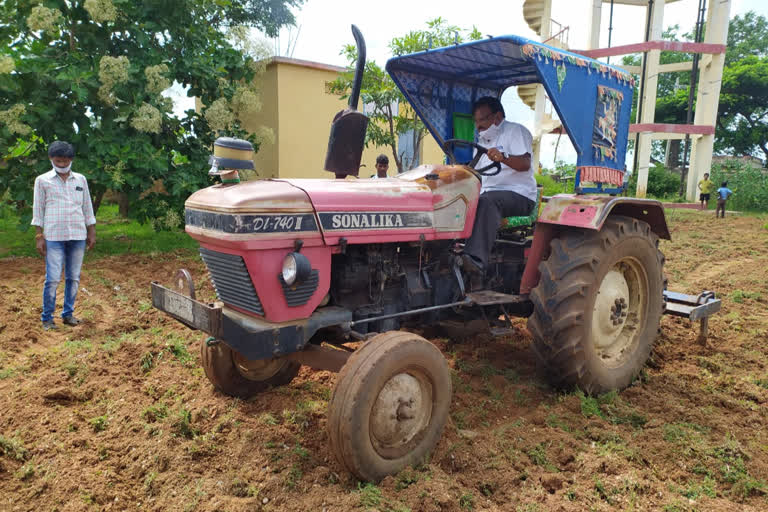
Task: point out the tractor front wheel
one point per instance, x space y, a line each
598 305
389 406
234 375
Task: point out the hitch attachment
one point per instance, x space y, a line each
693 307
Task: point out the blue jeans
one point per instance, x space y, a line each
68 254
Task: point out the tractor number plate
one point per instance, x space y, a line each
190 312
179 306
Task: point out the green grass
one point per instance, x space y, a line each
114 235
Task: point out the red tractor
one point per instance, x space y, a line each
301 266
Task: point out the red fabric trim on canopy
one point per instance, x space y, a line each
595 174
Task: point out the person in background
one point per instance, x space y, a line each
382 166
62 214
723 193
705 189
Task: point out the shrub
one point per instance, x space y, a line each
749 185
661 182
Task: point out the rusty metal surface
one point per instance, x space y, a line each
190 312
539 251
590 212
490 297
321 358
346 143
272 196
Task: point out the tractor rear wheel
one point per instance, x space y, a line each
389 406
234 375
598 305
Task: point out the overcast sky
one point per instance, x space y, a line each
323 28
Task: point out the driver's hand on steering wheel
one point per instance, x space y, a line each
495 155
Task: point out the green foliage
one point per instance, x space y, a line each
467 501
13 448
740 295
182 423
742 127
94 75
749 185
389 113
113 236
154 413
747 36
662 183
99 423
370 495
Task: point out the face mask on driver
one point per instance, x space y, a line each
61 170
491 133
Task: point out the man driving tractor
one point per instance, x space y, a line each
511 192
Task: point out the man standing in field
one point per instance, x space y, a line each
705 189
62 214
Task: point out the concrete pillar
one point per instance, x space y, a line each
541 95
708 96
536 155
643 146
593 27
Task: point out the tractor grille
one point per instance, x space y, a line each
231 280
299 294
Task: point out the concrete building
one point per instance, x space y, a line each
538 14
299 108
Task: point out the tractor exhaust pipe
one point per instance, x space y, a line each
347 138
359 69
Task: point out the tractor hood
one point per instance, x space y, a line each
311 209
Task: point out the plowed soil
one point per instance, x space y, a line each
116 414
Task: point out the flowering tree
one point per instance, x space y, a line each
96 73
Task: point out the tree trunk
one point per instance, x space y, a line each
672 160
97 197
122 204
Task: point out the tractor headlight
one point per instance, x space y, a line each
296 268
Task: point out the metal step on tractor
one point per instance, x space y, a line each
303 267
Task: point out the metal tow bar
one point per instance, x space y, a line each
693 307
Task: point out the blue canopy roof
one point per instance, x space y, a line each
592 99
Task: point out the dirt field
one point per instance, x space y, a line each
116 414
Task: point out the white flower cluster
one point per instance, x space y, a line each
265 134
112 71
147 119
10 118
43 18
116 172
219 115
101 10
7 64
255 48
169 220
157 82
246 103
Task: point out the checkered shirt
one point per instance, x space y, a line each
62 208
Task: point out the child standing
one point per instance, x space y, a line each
723 193
705 189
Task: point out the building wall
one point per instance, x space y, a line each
298 109
266 161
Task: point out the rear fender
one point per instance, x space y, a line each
564 212
590 212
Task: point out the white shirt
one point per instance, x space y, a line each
512 139
62 208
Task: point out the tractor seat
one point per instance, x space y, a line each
523 221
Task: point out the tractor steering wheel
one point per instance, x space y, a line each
448 148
